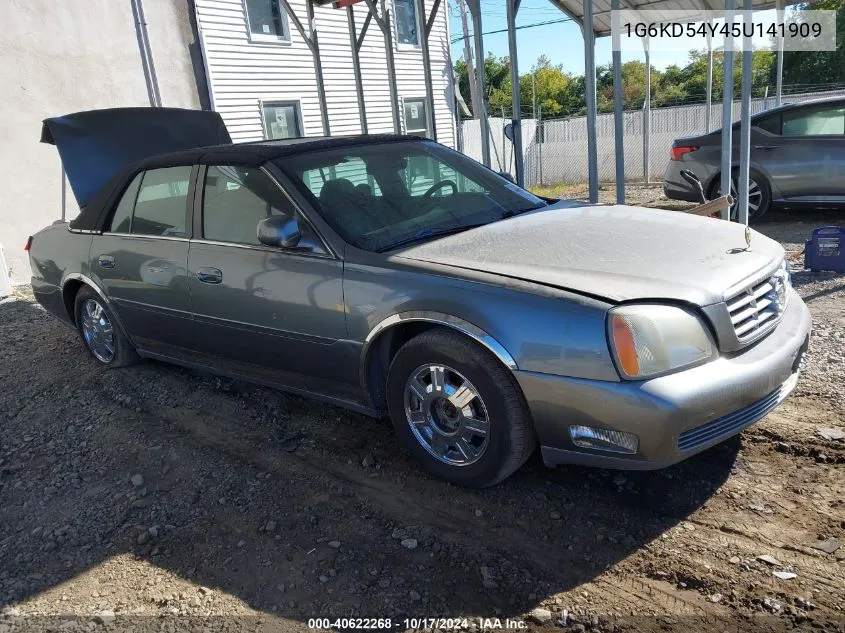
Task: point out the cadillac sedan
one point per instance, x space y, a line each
394 276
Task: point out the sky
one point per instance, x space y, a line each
561 42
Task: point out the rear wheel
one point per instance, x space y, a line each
458 410
99 331
759 195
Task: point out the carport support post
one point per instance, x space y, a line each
516 97
618 122
745 117
727 107
427 23
590 85
708 113
311 40
779 84
356 63
383 22
647 114
481 106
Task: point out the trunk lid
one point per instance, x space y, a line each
96 144
619 253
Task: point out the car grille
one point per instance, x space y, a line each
730 424
754 310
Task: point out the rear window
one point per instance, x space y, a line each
162 203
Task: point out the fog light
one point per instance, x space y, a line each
604 439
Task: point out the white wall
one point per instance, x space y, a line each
242 73
63 57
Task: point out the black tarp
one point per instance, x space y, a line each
96 145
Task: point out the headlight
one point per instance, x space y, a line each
650 340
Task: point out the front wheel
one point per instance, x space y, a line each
458 409
759 195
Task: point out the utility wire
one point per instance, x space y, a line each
460 38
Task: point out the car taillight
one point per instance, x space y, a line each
677 152
28 243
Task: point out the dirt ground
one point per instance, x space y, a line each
157 498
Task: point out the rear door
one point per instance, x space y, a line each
803 151
270 308
141 261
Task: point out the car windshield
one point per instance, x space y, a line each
381 196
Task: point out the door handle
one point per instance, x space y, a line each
105 261
210 275
766 147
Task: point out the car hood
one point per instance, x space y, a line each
97 144
619 253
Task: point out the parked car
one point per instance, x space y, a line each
797 159
394 276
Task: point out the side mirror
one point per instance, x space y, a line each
507 176
280 231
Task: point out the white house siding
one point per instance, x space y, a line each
243 73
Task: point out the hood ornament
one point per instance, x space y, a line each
747 236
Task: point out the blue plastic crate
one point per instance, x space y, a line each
824 250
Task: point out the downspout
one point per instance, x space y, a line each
146 53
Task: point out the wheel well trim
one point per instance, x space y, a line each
93 285
438 318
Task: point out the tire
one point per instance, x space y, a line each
99 331
763 200
445 439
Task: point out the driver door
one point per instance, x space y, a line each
265 308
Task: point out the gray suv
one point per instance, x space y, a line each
797 159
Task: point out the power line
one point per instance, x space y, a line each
524 26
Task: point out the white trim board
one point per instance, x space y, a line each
5 284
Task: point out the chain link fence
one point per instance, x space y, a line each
561 157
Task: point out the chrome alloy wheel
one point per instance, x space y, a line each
755 198
97 330
447 415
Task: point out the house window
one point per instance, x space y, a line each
416 117
406 22
266 20
281 120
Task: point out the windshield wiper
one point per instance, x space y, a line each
425 234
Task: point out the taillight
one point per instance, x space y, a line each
28 243
678 152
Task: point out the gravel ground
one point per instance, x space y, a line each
157 498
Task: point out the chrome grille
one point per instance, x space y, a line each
755 309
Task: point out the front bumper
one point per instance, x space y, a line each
674 416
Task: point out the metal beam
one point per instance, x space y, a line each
708 113
383 22
779 80
516 97
590 85
423 38
727 108
481 107
313 44
356 66
745 117
618 121
647 113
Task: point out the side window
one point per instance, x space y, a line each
121 221
281 120
162 201
817 121
236 199
770 124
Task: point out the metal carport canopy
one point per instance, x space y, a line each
595 18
